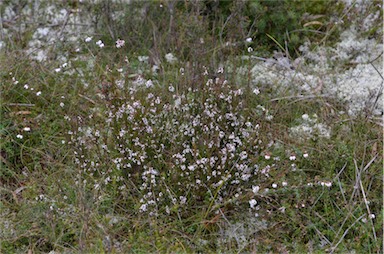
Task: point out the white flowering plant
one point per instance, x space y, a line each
175 149
165 131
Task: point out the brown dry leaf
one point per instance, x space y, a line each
214 220
23 113
313 23
374 149
319 87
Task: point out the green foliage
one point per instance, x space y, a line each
61 189
289 22
163 27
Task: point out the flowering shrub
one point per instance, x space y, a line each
177 148
160 158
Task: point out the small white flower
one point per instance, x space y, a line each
167 210
100 44
63 142
183 200
143 207
64 65
149 83
178 102
249 39
256 91
305 155
19 136
292 157
243 155
26 129
120 43
88 39
372 216
205 73
171 88
284 184
61 104
250 49
255 189
38 93
252 203
26 86
57 69
274 185
267 156
155 69
170 58
305 117
143 58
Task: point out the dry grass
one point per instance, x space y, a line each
91 176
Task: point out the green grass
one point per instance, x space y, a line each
48 194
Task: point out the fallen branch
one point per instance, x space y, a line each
21 104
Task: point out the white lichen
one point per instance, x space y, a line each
346 71
309 128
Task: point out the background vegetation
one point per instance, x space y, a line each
81 172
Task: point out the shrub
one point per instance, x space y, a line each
176 150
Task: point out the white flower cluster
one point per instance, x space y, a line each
195 141
170 58
120 43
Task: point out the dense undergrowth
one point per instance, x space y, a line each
149 135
